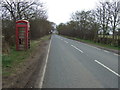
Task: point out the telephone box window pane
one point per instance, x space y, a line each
21 28
21 32
21 42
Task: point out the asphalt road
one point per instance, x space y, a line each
73 64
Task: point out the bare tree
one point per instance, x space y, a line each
31 10
88 24
22 9
103 16
115 18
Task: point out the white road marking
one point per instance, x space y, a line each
95 47
106 51
89 45
77 48
44 69
98 48
65 41
116 54
107 68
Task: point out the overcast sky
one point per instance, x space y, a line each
59 11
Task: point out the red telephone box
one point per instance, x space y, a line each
22 35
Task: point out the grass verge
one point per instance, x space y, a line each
93 43
11 60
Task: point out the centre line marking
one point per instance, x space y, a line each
77 48
107 68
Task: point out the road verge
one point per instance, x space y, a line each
101 46
26 72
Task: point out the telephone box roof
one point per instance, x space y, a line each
22 21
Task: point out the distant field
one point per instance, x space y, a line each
109 36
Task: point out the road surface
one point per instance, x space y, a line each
72 64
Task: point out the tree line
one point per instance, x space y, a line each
32 10
99 25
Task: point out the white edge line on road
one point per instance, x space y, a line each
77 48
106 51
44 69
89 45
94 47
107 68
116 54
98 48
65 41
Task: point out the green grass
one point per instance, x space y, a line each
16 57
92 42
